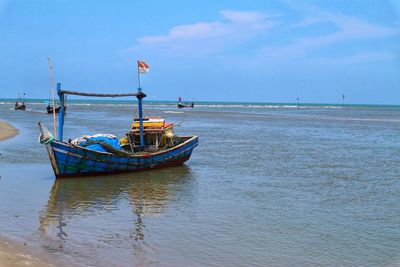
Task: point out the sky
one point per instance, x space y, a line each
241 51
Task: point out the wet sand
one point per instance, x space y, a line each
12 254
7 131
15 255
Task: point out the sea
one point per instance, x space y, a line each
270 184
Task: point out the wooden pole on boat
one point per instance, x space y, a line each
140 96
61 115
52 96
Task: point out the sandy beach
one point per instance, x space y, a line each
15 255
7 131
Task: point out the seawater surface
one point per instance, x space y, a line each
268 185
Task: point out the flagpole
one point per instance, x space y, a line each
138 72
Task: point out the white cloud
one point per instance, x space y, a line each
196 31
253 20
353 27
242 17
349 28
358 58
233 28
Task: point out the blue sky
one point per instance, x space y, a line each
243 50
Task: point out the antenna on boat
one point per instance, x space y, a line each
52 96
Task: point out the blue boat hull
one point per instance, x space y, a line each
69 160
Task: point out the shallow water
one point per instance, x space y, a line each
267 186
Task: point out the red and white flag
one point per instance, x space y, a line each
143 67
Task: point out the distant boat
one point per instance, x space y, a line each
20 103
184 105
50 109
149 144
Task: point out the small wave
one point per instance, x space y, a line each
278 106
317 117
173 112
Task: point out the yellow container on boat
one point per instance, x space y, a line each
124 141
149 122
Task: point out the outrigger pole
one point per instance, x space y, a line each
139 95
62 95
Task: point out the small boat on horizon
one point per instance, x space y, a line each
150 143
184 105
20 103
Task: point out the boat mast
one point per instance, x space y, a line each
140 96
52 95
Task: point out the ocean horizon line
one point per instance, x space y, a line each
198 103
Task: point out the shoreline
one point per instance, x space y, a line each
7 131
12 254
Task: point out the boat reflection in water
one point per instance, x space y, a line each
87 217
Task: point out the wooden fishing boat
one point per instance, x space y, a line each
20 103
49 109
149 144
184 105
69 160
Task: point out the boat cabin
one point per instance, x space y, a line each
157 133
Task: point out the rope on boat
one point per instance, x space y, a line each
45 136
45 139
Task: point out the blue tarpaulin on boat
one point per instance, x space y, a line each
97 147
102 143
